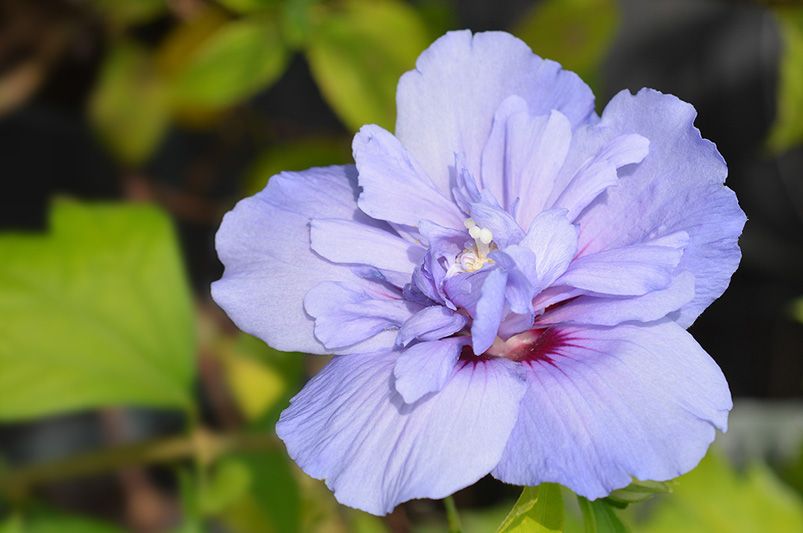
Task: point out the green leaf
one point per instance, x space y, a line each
43 520
575 33
538 510
123 13
600 517
637 491
713 497
248 6
787 130
297 16
129 106
229 482
95 313
235 62
358 51
272 503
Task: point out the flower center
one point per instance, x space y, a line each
475 256
536 344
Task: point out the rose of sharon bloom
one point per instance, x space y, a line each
505 283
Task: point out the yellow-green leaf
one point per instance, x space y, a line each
236 61
95 313
248 6
357 52
255 386
575 33
272 503
797 310
43 520
637 491
787 130
129 104
600 517
538 510
713 497
228 482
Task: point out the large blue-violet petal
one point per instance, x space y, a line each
446 105
264 245
606 405
678 187
351 428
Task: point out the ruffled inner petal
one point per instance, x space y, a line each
523 155
427 366
348 313
599 173
431 323
394 187
610 311
628 271
345 241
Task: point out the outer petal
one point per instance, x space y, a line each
394 187
265 246
678 186
447 104
350 427
612 404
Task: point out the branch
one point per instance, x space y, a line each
203 445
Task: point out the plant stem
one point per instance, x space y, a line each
201 444
452 516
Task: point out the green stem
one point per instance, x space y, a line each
452 516
206 447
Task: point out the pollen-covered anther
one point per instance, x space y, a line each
475 256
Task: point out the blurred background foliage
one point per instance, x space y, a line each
129 127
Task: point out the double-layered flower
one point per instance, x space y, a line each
505 283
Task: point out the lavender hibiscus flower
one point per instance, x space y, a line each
506 284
